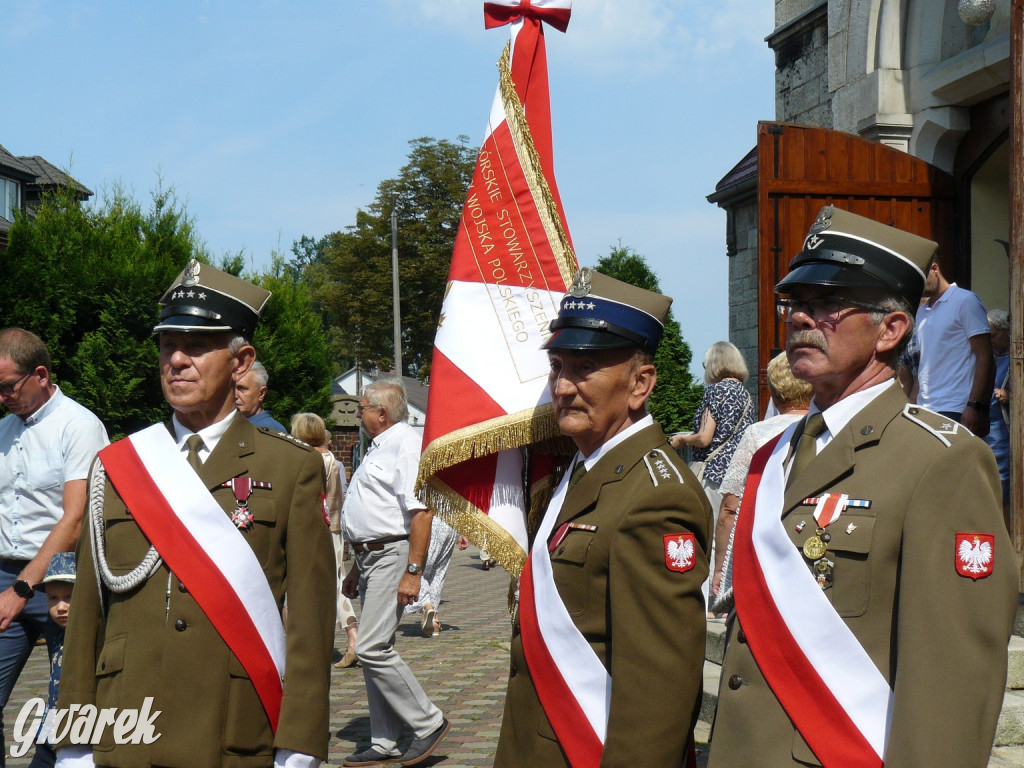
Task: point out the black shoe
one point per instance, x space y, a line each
371 756
421 749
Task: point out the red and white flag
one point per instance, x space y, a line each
511 264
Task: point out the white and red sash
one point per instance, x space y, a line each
205 550
822 676
571 682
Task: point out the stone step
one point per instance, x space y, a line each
1009 731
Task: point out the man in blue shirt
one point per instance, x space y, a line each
249 393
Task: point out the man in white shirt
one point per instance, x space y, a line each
47 443
389 530
955 376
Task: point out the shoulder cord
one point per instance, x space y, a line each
120 584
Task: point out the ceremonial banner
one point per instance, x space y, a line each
511 264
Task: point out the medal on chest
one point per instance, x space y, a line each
828 508
242 488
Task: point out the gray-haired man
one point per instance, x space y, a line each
389 529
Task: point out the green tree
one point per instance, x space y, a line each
291 342
349 272
676 397
86 279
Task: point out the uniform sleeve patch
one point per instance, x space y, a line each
975 554
680 552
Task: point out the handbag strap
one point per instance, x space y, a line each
735 427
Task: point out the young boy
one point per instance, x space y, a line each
58 583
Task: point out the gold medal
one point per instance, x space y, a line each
814 548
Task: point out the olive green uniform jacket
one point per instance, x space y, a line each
645 622
938 638
156 641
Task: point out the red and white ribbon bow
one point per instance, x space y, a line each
554 12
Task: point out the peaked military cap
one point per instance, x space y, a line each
851 251
205 299
600 312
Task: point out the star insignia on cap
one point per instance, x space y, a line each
191 294
202 296
591 305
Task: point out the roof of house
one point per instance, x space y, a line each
12 166
49 175
742 174
416 391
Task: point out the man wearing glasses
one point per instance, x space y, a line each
389 529
47 442
874 580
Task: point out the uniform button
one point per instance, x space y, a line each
741 636
513 670
735 682
180 625
182 587
103 666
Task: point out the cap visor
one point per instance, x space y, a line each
822 273
190 323
585 338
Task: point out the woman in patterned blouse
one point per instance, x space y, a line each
725 411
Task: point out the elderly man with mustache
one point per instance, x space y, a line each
875 583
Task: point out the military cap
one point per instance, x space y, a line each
600 312
204 299
61 568
851 251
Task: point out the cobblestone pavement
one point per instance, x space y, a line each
463 670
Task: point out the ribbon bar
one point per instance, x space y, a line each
554 12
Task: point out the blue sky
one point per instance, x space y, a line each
274 120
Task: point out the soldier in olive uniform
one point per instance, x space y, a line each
608 646
875 583
159 625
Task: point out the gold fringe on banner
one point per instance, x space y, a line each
469 520
505 432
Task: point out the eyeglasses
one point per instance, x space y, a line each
822 308
360 408
6 390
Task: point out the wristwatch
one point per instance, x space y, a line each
978 405
23 589
413 569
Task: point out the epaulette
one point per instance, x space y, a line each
942 427
661 469
284 436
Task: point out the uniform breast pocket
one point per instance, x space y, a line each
44 469
124 543
261 535
851 575
568 565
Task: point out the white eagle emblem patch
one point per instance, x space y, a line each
975 554
680 552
